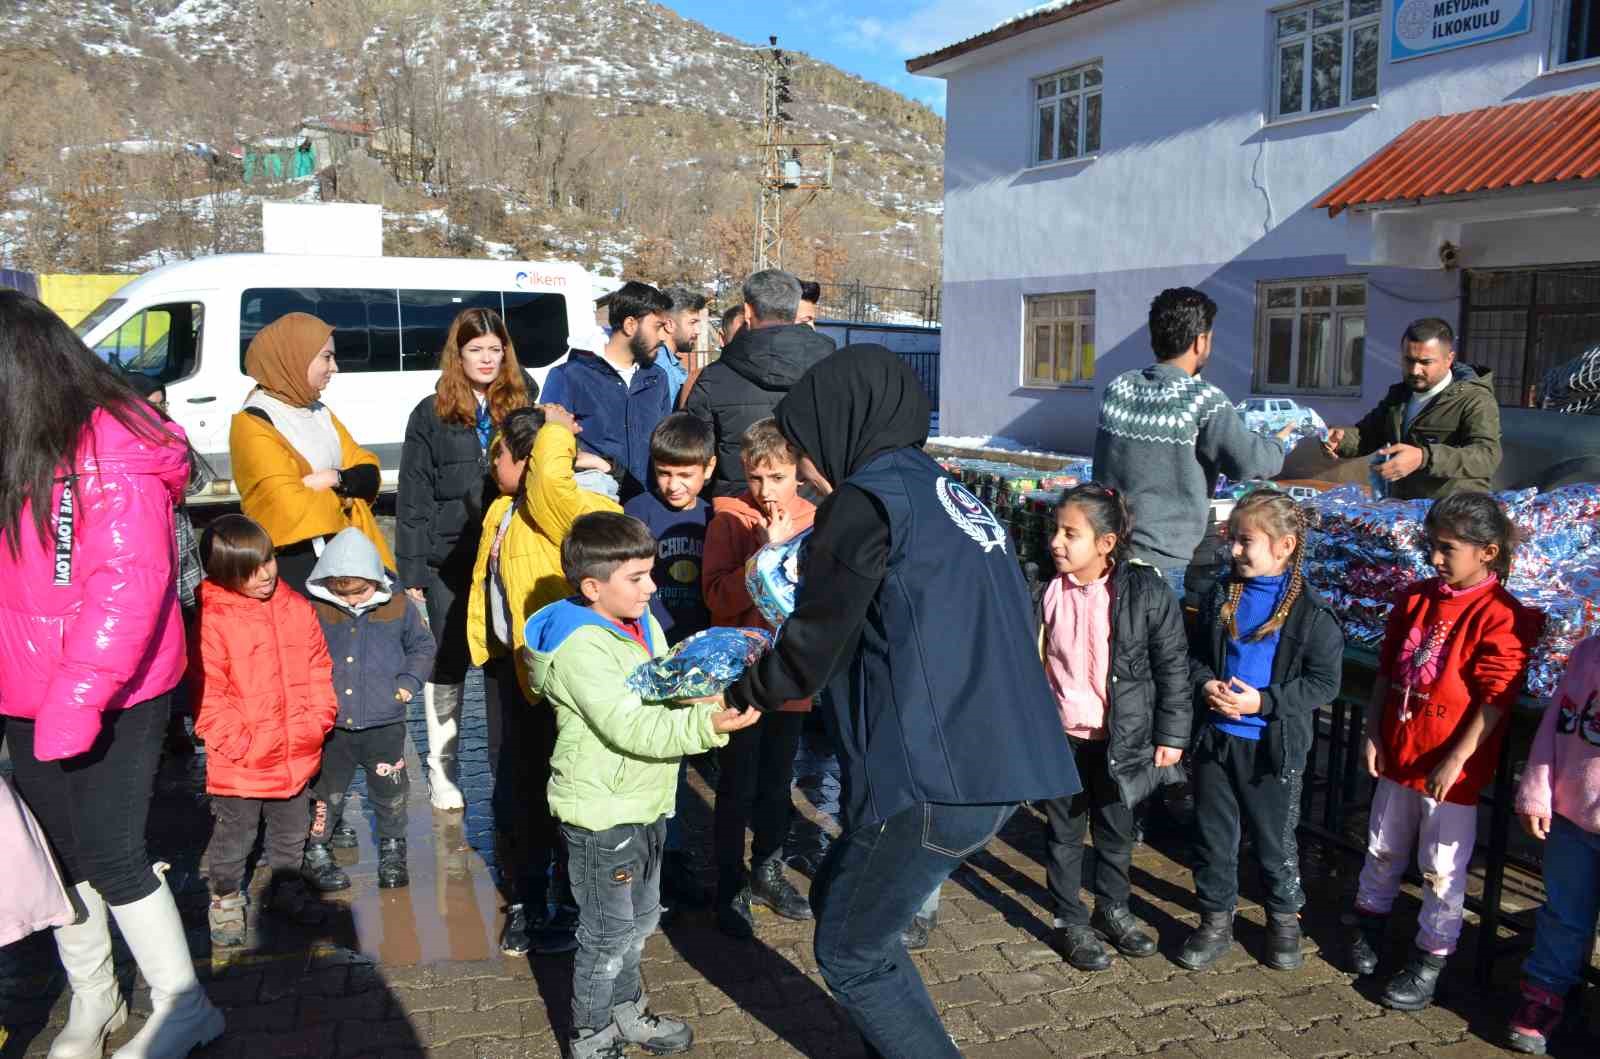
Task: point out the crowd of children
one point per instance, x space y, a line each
570 593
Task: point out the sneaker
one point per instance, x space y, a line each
915 937
1537 1019
1117 924
320 870
1083 948
656 1034
344 836
1413 988
226 919
605 1044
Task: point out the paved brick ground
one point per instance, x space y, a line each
416 972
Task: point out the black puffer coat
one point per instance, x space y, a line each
1306 672
1149 703
445 486
745 385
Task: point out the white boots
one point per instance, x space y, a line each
98 1009
442 710
184 1018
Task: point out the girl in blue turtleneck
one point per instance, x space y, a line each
1268 654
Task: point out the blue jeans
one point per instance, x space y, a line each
616 880
868 888
1564 934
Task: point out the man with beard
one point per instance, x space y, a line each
1165 434
685 320
755 370
619 395
1438 429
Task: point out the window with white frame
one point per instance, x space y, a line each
1067 114
1311 335
1577 31
1058 339
1325 56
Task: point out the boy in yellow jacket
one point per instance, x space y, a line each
518 571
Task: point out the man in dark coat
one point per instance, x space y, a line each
755 370
1438 429
913 610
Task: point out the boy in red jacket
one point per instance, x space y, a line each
266 702
758 762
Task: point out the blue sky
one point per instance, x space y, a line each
869 38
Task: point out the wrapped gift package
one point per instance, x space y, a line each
772 576
702 665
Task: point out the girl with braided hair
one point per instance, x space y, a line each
1269 653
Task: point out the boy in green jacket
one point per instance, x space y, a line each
614 774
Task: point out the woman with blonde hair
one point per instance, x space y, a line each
445 485
299 472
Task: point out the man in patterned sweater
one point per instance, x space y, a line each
1165 434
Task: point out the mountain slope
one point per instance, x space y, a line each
609 130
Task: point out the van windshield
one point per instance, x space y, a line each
103 310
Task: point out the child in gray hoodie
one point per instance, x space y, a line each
382 652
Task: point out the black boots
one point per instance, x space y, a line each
1283 941
344 836
320 870
1117 924
1412 989
1366 934
392 870
1083 949
1209 942
769 886
734 917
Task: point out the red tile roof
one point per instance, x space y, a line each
1541 141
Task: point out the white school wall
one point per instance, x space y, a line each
1189 188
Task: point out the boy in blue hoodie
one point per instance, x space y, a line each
382 652
614 773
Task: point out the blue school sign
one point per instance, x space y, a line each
1422 27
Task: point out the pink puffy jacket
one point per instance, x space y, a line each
89 616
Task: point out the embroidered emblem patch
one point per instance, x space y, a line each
968 513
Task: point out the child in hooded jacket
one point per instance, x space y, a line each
1270 654
382 654
1559 804
1116 658
265 703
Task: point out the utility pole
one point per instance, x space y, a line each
781 161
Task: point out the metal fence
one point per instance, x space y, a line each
867 303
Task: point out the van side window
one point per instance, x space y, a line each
162 342
425 319
538 326
366 327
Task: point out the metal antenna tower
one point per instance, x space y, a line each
782 168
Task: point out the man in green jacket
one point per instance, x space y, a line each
1438 429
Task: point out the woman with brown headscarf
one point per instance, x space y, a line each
298 471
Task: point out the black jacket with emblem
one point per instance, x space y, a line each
1148 699
1306 673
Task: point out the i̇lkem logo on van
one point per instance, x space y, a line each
530 280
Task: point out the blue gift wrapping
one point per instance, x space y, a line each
704 664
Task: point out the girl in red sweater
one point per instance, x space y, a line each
265 704
1453 662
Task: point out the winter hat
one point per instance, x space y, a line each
281 352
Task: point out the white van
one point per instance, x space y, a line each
188 324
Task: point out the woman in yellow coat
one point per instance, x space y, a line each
298 471
518 570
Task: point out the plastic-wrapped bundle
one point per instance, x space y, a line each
772 576
1573 388
702 665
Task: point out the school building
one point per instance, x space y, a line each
1326 171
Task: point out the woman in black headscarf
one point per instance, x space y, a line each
914 610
